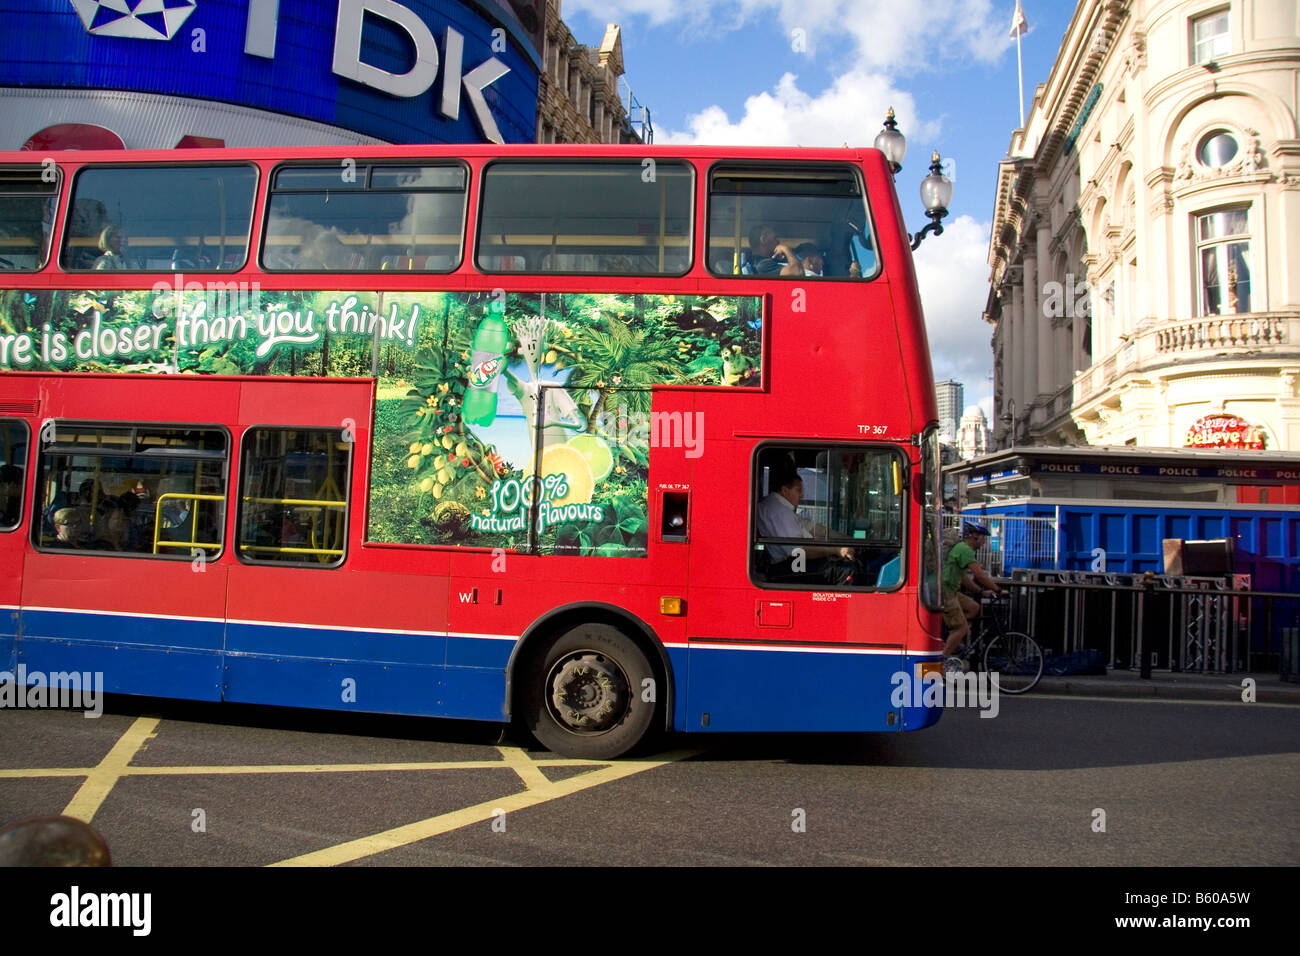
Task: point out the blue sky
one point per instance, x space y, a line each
727 71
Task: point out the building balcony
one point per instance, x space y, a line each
1208 339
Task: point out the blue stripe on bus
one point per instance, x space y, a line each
8 638
337 644
796 691
745 688
188 633
129 668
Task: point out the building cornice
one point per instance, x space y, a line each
1229 68
1105 25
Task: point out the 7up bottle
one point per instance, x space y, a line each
485 365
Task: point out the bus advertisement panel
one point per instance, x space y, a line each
455 422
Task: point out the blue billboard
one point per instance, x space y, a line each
414 71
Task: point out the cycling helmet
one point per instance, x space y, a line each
974 527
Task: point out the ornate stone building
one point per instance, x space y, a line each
1145 251
973 438
578 96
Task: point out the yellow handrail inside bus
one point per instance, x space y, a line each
735 256
299 502
303 503
157 521
898 479
663 213
274 549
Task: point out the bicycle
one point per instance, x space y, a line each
1013 655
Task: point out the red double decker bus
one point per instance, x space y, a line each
607 442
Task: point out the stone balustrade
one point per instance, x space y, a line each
1219 332
1167 343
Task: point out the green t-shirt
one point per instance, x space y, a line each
960 557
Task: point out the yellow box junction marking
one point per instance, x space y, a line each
538 792
101 780
103 777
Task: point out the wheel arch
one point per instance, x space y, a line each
561 619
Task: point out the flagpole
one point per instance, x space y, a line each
1019 26
1020 80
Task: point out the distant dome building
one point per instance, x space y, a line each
973 438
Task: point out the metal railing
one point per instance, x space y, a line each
1014 542
1150 621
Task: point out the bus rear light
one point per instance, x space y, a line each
929 668
673 606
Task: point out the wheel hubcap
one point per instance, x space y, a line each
588 692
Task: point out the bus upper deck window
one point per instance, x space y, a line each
587 217
28 198
365 218
788 222
159 219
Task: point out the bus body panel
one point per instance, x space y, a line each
432 630
791 689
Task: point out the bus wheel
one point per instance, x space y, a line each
585 694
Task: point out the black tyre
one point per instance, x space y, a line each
586 695
1017 659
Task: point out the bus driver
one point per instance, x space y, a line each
777 517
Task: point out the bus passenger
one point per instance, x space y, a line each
769 256
11 495
112 523
111 243
325 252
810 257
70 528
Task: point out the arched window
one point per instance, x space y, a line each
1223 261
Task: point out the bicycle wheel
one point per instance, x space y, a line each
1017 659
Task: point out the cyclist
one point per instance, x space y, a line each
960 571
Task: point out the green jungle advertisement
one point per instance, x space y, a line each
510 420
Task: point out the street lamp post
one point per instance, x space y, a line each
936 189
1009 419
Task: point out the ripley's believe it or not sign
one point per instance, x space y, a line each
469 385
1224 431
418 71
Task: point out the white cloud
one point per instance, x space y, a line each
869 45
953 273
849 111
883 33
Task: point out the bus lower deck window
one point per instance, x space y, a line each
158 491
293 496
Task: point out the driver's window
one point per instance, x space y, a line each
827 518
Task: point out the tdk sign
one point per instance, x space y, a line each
415 71
141 19
417 80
